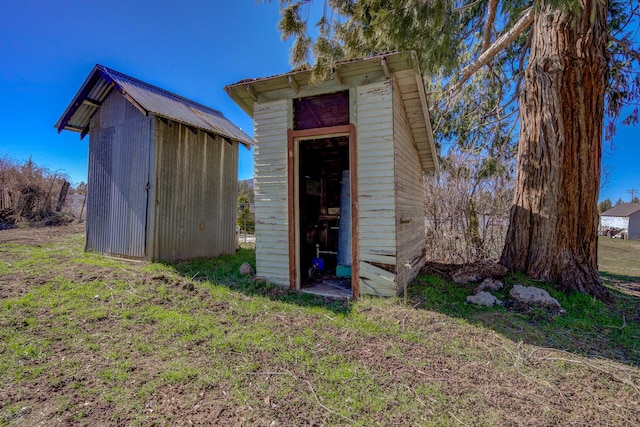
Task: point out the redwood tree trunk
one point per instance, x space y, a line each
552 235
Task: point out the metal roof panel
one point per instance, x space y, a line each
150 98
622 210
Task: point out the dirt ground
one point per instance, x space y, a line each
33 236
461 373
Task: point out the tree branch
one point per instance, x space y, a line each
632 53
492 8
498 45
466 6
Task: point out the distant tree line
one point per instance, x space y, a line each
246 198
606 204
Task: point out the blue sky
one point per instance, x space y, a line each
192 47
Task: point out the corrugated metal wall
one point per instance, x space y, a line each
118 176
376 197
270 167
196 179
410 196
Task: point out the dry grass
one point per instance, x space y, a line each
86 340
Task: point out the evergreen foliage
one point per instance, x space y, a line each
448 35
604 205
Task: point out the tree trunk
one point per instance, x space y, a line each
552 235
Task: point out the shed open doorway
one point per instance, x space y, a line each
324 216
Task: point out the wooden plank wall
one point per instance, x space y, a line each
410 195
270 179
376 200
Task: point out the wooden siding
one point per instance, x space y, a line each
194 193
270 180
119 142
376 210
412 103
410 195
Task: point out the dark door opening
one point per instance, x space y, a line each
324 205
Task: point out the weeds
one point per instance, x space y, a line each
91 340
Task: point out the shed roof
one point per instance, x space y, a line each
622 210
147 99
297 84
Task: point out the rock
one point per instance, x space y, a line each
483 298
478 271
534 296
489 284
246 270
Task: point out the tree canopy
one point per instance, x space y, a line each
473 54
557 72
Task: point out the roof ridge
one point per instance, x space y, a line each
110 71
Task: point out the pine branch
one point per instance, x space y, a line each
632 53
498 45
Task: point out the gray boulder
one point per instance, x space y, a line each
489 284
484 299
534 296
246 270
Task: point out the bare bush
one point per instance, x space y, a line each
33 194
467 208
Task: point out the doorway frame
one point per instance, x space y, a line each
293 182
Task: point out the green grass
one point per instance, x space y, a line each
91 340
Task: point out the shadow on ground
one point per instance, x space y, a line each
590 327
223 271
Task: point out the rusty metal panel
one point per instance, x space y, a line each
118 177
147 99
195 194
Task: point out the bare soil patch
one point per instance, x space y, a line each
94 341
38 235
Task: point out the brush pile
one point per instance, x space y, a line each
32 195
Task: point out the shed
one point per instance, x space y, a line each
163 170
622 218
339 190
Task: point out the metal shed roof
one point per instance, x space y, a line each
147 99
622 210
296 84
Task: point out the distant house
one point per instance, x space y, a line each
623 218
163 170
338 175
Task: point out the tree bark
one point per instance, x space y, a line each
552 234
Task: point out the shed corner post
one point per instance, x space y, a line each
291 214
353 175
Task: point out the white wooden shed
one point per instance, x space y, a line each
163 170
339 174
624 219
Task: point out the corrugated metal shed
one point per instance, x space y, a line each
163 170
147 99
